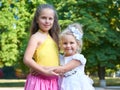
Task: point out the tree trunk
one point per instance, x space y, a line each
101 74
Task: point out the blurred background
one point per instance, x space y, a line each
101 24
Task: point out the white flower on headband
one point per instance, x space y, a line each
78 35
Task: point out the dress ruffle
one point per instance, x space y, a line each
41 83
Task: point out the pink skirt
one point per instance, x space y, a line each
40 82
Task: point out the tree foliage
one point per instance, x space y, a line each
15 19
100 20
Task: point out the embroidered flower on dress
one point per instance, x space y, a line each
78 35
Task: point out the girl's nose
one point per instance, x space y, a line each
47 20
68 45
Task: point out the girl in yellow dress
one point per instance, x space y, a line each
42 50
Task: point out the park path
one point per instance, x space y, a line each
96 88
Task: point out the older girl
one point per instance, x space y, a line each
42 50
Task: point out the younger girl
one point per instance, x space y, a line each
42 50
73 63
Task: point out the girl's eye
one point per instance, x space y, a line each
64 43
43 17
50 18
71 42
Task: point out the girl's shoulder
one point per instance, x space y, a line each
35 35
38 37
79 57
78 54
61 58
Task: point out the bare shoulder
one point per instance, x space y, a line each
33 40
36 36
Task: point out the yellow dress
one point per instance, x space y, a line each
47 53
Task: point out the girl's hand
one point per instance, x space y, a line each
33 72
50 72
60 70
47 71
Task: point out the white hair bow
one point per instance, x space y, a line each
78 35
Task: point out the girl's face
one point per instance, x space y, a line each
69 45
46 19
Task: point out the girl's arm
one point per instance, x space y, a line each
67 67
32 45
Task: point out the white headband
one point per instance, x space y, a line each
78 35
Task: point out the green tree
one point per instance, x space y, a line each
15 22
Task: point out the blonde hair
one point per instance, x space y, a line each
67 31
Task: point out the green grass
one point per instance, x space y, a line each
12 82
110 81
20 82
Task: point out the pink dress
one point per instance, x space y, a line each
47 55
41 83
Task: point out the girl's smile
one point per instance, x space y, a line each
69 45
46 19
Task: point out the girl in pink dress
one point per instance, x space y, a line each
41 54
